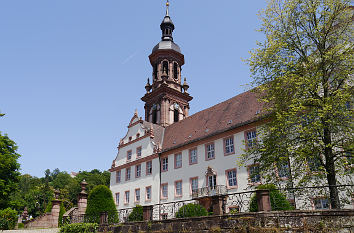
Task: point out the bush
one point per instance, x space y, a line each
79 228
100 200
191 210
61 213
278 200
21 225
136 215
8 219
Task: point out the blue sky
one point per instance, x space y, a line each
73 72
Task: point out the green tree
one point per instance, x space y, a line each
101 200
304 75
9 174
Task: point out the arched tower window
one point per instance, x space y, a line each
155 71
154 114
175 70
176 113
165 67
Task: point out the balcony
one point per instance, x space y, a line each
217 190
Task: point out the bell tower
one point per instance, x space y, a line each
166 99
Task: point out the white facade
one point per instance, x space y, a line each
171 175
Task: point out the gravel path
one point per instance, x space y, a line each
52 230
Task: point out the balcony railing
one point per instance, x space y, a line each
209 191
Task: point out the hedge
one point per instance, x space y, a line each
79 228
101 200
191 210
136 215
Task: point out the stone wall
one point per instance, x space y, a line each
43 221
330 221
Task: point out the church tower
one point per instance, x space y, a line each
166 99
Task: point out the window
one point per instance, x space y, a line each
164 164
138 151
175 115
118 176
126 199
128 173
321 203
117 198
164 216
193 156
178 188
148 193
178 160
154 116
314 163
283 169
148 167
129 155
209 151
137 195
229 145
165 67
138 170
253 173
194 185
175 71
349 157
212 182
251 138
164 191
154 113
231 178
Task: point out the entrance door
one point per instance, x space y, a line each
212 182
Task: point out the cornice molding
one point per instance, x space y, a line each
135 162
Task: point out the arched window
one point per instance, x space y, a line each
176 113
154 114
165 67
175 70
155 71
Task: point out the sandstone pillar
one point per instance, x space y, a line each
218 204
263 200
55 209
82 199
147 213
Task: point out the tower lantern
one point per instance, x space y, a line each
166 99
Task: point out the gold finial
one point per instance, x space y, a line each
167 6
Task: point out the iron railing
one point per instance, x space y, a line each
303 198
207 191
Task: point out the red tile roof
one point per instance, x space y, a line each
232 113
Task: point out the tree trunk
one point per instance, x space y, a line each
331 172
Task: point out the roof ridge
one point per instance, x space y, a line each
189 117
